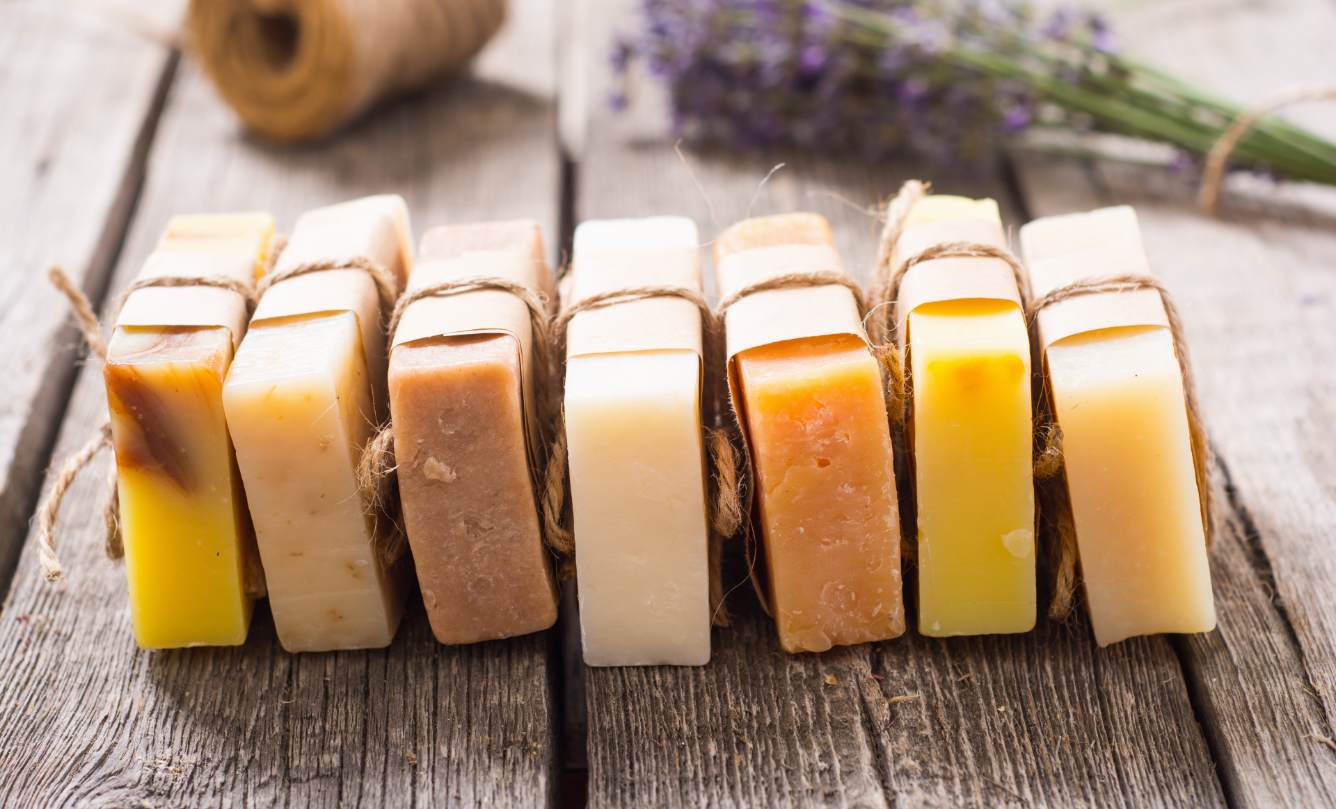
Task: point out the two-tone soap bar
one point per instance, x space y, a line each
1118 395
962 327
810 398
189 548
463 380
633 428
304 394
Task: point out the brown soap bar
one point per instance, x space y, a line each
458 399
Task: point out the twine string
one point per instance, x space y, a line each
1217 160
387 285
68 471
1048 465
348 56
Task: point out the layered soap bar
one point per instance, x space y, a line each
811 400
304 395
633 427
189 548
462 395
972 429
1118 393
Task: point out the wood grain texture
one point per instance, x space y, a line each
1043 718
1258 296
91 720
82 94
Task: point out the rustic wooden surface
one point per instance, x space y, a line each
1240 717
91 720
81 99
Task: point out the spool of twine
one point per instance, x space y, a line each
296 70
1048 458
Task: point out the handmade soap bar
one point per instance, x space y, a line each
811 400
189 548
1118 394
462 390
633 427
302 399
969 361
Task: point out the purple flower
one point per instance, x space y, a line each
944 79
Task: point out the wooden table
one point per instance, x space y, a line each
107 132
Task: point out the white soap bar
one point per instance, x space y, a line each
638 489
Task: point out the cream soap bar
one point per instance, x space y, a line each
304 395
972 430
462 382
1118 393
633 427
189 549
810 396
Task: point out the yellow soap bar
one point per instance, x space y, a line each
820 441
189 547
972 440
1118 396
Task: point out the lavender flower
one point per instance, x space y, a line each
946 79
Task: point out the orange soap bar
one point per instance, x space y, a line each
821 447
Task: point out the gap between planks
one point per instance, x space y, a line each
35 444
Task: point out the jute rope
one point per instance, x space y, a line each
387 286
48 511
296 70
1217 160
1048 466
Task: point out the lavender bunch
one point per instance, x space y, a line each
946 79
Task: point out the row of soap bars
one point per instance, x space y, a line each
239 432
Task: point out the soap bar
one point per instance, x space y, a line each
462 379
1118 393
972 429
304 395
810 397
189 548
633 428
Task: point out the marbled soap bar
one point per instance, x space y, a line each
1118 394
810 397
972 431
304 395
189 548
461 395
637 470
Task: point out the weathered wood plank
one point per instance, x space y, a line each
82 96
1259 299
91 720
1043 718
